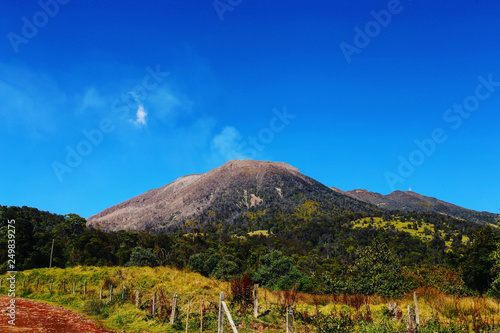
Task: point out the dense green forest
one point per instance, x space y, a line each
311 248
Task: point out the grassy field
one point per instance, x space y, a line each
118 314
423 229
438 312
259 232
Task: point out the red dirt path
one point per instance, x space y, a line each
32 316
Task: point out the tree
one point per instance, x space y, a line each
142 257
226 269
495 285
197 263
277 271
74 225
375 270
495 257
476 260
211 263
307 210
93 247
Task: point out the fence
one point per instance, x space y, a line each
184 311
157 304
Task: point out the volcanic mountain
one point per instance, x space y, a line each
410 201
226 192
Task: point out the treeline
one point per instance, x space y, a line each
313 249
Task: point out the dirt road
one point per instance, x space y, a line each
32 316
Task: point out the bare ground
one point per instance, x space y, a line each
33 316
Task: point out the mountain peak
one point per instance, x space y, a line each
256 164
227 192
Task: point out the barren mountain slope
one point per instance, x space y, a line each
228 191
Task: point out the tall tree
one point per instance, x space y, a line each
477 262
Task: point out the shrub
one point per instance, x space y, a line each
440 278
242 292
96 307
334 322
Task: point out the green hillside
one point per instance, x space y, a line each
419 229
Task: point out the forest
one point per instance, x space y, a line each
310 249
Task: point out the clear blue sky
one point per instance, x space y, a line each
350 104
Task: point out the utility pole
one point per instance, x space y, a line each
51 252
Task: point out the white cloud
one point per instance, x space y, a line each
141 113
226 144
141 116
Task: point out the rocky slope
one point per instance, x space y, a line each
410 201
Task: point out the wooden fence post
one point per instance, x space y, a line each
411 324
201 315
137 298
74 287
110 292
85 288
289 320
256 300
187 316
417 318
221 314
24 282
153 310
1 282
51 283
100 294
37 281
229 318
174 306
